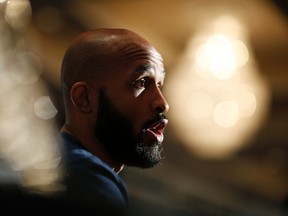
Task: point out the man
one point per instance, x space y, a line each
111 81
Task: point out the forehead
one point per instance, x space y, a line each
140 57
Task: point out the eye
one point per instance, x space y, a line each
140 83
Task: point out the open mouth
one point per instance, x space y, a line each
157 129
158 126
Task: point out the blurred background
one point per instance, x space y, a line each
227 84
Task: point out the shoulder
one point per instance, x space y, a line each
89 179
78 161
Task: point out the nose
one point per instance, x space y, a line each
160 105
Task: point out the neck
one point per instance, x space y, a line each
94 146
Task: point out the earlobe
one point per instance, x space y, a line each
79 95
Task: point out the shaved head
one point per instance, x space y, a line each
96 53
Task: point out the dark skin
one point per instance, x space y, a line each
127 71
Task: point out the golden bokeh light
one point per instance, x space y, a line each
26 136
226 114
44 108
199 105
225 99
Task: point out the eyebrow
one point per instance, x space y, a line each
141 69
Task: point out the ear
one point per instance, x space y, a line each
79 95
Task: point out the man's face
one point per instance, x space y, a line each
130 120
115 131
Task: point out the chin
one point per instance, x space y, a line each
147 157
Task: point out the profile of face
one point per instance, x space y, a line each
115 131
130 120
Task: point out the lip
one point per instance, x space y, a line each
156 129
159 125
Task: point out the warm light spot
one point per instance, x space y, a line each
241 52
215 109
226 114
246 100
44 108
28 69
18 13
199 105
27 142
202 58
220 56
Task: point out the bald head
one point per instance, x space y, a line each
95 53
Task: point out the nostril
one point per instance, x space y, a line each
159 110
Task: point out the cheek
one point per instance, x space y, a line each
135 113
137 92
131 107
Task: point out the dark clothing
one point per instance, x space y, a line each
91 187
89 180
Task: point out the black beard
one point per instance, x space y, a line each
115 131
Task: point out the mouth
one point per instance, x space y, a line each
156 130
